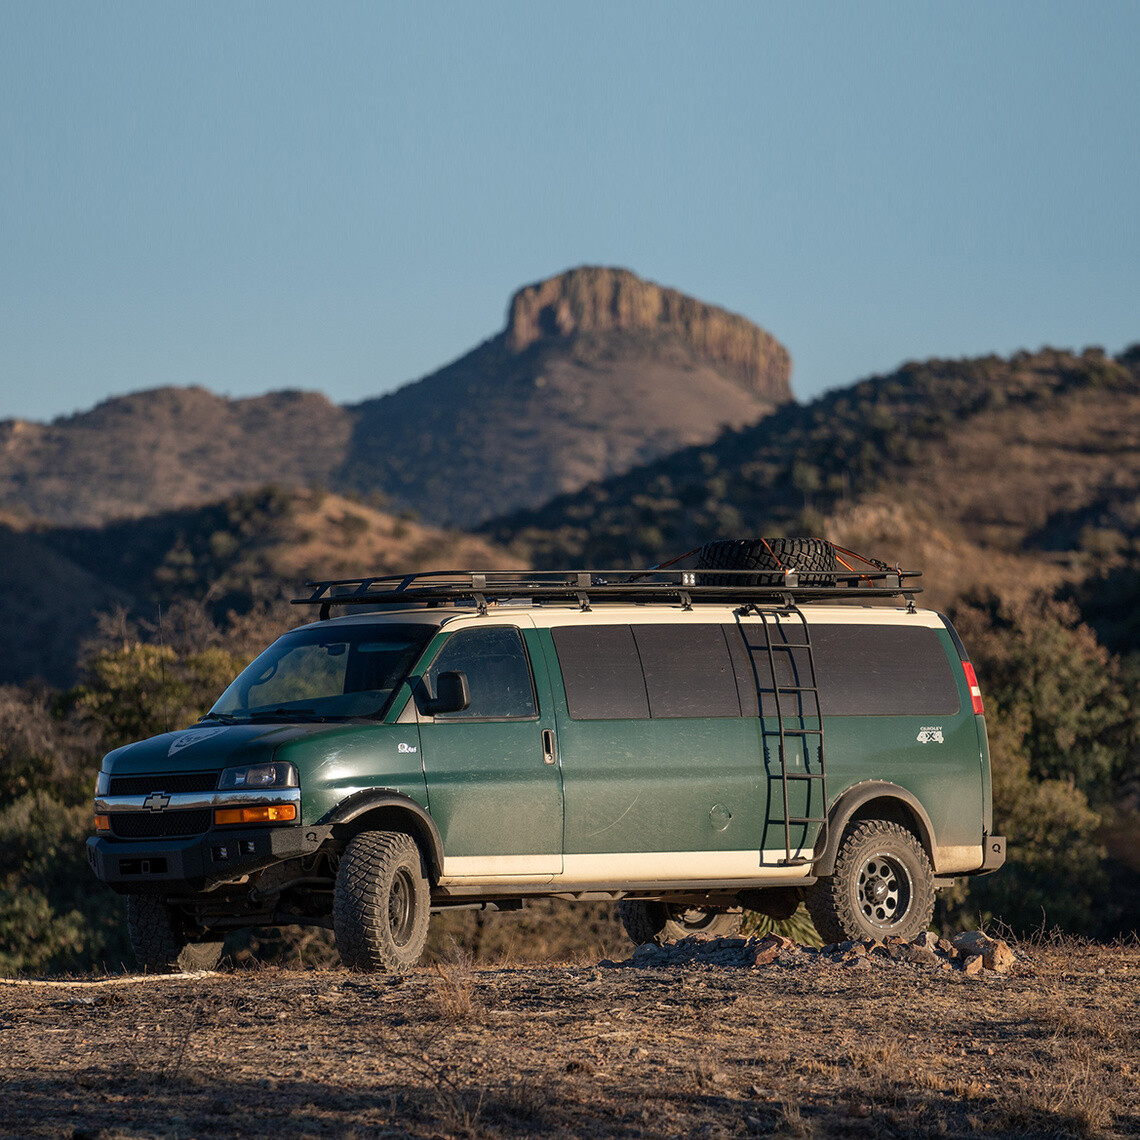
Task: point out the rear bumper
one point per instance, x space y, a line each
146 866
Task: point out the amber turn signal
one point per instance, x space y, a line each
102 823
262 813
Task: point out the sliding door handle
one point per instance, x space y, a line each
548 746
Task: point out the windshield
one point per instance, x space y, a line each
324 674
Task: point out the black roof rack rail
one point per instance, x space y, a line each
482 587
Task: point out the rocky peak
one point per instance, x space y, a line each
597 299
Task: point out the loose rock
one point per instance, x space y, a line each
970 953
996 954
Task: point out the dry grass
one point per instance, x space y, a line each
454 991
459 1050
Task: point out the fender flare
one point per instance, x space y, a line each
857 796
419 823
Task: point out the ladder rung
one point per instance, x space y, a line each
802 776
792 689
806 819
801 732
798 862
790 645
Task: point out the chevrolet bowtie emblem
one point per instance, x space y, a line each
156 801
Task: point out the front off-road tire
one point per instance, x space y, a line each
882 884
812 558
161 942
659 922
382 902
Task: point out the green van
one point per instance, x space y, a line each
687 744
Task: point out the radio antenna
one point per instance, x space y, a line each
162 665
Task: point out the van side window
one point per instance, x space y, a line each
862 670
687 670
601 670
497 669
748 645
883 670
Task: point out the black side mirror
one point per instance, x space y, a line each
452 694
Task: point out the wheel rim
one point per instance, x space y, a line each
401 907
883 891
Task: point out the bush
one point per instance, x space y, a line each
1055 875
1040 667
53 914
1062 737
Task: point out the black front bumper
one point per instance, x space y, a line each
192 865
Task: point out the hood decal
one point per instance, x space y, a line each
194 736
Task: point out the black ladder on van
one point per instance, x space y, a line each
803 696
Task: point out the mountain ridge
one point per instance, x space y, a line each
623 371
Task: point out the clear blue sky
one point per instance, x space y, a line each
342 197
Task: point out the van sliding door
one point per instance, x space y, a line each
660 771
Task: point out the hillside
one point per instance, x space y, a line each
1025 470
48 606
252 549
595 372
168 447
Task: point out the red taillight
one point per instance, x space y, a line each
975 692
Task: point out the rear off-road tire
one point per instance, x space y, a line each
882 884
382 902
659 922
812 558
161 942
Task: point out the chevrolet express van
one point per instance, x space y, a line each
687 744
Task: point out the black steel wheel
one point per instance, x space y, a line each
812 558
382 902
660 922
162 942
882 884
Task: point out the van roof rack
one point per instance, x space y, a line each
482 588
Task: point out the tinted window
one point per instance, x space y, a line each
748 645
497 669
861 670
687 670
601 670
883 670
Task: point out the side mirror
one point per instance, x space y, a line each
452 694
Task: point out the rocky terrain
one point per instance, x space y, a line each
595 372
797 1046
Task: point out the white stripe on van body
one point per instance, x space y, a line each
621 866
702 614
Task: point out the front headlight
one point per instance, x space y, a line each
258 776
102 784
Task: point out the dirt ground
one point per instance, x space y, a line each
804 1049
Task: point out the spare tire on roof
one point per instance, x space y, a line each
812 558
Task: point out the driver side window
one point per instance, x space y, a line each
497 670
